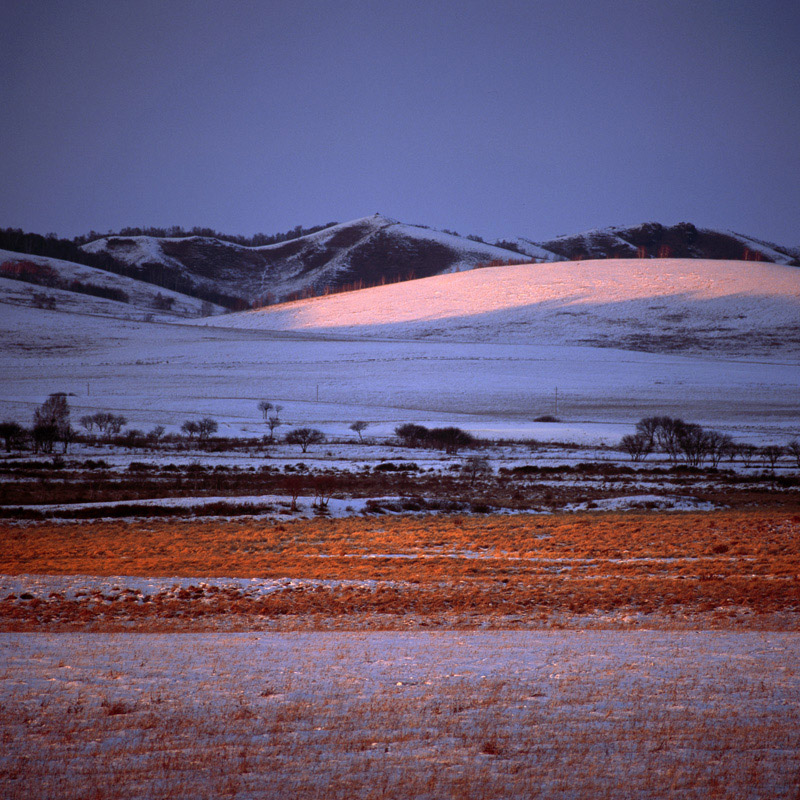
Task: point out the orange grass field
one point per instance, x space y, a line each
722 562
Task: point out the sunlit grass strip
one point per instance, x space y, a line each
703 545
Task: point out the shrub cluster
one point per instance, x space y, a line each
450 439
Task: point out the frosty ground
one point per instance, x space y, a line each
425 715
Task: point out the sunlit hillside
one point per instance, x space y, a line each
645 304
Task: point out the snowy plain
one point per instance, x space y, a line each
157 374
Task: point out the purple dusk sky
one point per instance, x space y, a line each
498 118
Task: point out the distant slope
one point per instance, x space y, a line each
28 279
676 241
376 250
677 305
365 252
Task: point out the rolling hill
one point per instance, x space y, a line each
655 305
677 241
362 252
53 283
240 273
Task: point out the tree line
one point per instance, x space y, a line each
178 232
694 445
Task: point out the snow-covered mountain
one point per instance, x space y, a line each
665 305
363 252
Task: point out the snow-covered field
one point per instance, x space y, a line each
156 374
576 714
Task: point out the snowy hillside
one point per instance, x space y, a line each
29 279
676 241
676 305
365 251
377 250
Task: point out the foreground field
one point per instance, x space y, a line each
597 714
732 568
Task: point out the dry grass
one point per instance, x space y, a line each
491 715
716 562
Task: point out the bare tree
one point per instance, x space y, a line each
264 406
748 453
359 426
717 445
450 439
67 434
793 449
323 489
101 419
411 434
115 424
475 467
647 428
771 454
205 429
108 424
294 486
154 437
304 437
676 437
271 413
54 411
134 438
190 428
732 450
638 445
693 443
51 420
668 436
44 437
273 423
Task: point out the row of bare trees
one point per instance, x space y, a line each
695 445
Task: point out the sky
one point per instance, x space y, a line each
499 118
